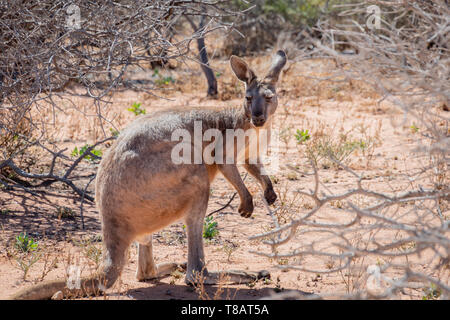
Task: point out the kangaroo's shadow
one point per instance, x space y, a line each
163 291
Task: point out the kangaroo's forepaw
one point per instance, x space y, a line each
246 208
270 196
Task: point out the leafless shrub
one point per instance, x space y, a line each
402 234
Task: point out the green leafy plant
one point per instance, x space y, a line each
137 109
26 253
337 149
431 293
93 155
156 73
414 128
302 136
114 132
162 80
295 11
25 243
210 228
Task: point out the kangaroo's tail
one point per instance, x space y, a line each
45 290
41 291
114 257
92 285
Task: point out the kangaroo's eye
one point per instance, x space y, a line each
268 95
249 98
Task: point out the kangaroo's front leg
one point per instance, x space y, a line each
256 171
231 173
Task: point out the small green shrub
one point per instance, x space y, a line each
414 128
25 243
210 228
164 81
161 80
137 109
114 132
296 12
302 136
431 293
92 156
339 149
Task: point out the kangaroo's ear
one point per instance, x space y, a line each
241 70
278 62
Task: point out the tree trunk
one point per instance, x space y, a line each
203 55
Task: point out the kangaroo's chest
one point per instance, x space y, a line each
253 144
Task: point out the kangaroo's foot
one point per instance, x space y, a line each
246 207
162 270
270 196
229 277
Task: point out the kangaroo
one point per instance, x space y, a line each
140 190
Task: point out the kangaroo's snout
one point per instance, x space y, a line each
258 121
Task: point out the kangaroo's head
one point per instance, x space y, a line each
260 95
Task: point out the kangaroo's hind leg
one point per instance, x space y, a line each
196 270
194 224
116 241
146 268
